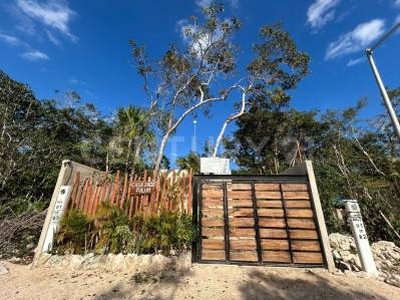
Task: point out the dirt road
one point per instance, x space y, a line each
202 282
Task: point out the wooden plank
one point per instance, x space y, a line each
303 234
299 213
213 254
298 204
240 186
276 256
296 195
242 232
273 233
306 246
210 186
293 187
212 232
243 245
244 256
241 222
212 223
240 203
214 212
270 212
267 186
239 195
212 203
301 223
307 258
213 244
277 223
268 195
212 194
241 212
269 203
274 244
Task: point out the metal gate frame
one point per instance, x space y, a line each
198 180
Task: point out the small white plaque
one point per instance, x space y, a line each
215 165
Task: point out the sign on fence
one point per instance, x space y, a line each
144 188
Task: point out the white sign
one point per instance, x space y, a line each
56 216
360 236
215 165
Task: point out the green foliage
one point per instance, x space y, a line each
191 161
73 235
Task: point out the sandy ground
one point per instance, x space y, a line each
202 282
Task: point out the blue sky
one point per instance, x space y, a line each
83 46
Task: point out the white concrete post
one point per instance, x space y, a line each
360 237
56 215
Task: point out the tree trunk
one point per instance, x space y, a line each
136 156
161 152
128 154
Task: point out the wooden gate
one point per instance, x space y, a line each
256 220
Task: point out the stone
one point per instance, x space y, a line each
339 242
14 260
344 266
131 262
76 262
54 261
336 255
3 270
43 258
183 262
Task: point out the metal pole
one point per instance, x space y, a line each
384 94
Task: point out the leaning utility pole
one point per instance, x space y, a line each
381 86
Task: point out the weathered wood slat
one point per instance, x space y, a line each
241 195
212 223
242 232
213 244
268 195
299 213
273 233
266 186
241 212
210 186
301 223
212 194
276 223
306 246
241 222
276 256
270 213
240 203
213 254
307 258
294 187
207 203
269 244
212 232
242 245
298 204
240 186
269 203
296 195
250 256
213 212
303 234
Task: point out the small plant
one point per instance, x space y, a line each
72 237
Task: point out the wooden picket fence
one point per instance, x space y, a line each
138 195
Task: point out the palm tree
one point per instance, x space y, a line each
133 127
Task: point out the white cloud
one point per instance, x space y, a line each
353 62
235 3
52 38
9 39
321 12
204 3
361 37
397 3
54 14
35 55
397 19
13 41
